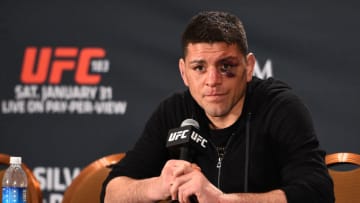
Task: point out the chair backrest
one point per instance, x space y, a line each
86 187
346 182
34 194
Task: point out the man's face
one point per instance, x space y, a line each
216 74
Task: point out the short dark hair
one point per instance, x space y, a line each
215 26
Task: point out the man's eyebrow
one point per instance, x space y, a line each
229 58
199 61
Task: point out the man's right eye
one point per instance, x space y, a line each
199 68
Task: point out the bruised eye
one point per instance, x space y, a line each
227 68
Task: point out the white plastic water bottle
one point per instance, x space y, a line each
14 183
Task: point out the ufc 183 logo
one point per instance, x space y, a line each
47 64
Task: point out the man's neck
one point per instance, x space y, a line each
223 122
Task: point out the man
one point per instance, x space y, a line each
261 141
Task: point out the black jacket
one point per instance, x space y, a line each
272 146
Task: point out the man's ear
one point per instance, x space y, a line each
250 57
182 70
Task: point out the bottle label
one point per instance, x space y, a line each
13 195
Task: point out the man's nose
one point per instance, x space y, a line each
214 77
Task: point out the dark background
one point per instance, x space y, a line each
312 45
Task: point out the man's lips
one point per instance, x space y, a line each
215 96
212 94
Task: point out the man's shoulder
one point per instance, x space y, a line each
178 103
173 109
271 91
268 84
177 98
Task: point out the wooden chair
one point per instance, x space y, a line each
34 194
86 187
346 182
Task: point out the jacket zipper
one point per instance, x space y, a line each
221 154
221 151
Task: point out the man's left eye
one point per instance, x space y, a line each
226 68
